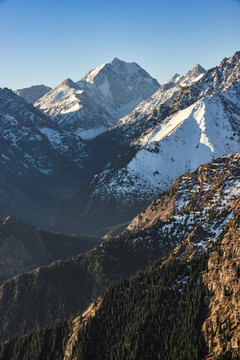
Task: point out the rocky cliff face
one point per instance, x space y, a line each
222 326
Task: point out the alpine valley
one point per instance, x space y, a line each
147 177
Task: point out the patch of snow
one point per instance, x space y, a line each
185 140
104 88
90 77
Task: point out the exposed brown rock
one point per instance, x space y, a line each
222 327
77 323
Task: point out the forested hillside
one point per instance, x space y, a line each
164 312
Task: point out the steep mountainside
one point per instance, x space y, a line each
33 93
172 132
24 247
222 326
89 106
38 161
152 315
184 306
192 212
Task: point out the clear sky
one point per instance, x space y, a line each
49 40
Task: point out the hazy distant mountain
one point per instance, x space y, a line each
33 93
108 92
172 132
24 247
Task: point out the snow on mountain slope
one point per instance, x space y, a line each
202 132
22 125
147 112
174 96
75 110
89 106
33 93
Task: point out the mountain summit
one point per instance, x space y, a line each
193 74
104 95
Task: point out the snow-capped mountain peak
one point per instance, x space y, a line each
107 93
179 144
68 82
230 69
197 68
194 74
114 69
61 100
115 60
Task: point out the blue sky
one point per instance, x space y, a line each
48 41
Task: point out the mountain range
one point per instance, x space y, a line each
170 133
154 172
43 160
